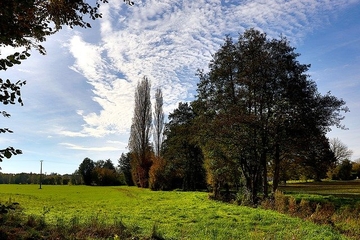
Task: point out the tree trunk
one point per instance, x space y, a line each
276 176
265 179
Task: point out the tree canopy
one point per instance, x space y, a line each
254 105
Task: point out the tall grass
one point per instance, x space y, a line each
168 215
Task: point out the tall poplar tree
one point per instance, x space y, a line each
158 122
139 141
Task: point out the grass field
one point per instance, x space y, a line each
176 215
338 192
336 188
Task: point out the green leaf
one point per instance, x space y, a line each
7 154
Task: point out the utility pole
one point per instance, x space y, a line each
41 161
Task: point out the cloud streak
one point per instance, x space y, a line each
92 149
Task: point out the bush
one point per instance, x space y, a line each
293 208
281 202
323 213
157 180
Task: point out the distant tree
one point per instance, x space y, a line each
76 178
139 141
340 150
344 170
22 178
125 168
317 157
65 181
356 169
86 170
109 165
104 174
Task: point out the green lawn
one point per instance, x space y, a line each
177 215
339 192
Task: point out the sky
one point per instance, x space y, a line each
78 100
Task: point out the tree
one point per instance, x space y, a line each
183 156
158 122
255 103
26 23
356 168
125 168
86 170
76 178
344 170
156 176
105 164
139 141
340 150
318 157
104 174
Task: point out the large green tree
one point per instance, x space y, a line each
255 102
183 155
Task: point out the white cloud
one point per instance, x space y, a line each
167 41
78 147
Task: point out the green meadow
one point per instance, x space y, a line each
340 193
174 214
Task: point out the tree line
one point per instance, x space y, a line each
34 178
257 118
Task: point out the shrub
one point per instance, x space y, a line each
281 202
305 209
293 207
157 180
323 213
267 203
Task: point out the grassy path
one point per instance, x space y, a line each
177 215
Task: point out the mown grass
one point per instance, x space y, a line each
175 215
341 188
338 192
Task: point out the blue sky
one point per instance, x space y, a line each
78 99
